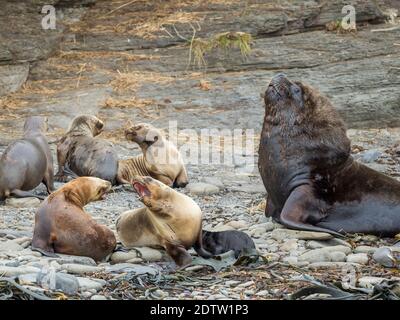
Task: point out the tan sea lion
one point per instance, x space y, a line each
27 162
160 159
313 182
62 226
81 153
170 220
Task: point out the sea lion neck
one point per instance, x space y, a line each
77 195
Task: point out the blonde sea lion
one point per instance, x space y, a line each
170 220
27 162
81 153
62 226
160 159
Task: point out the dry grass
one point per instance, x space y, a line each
132 80
127 103
85 55
11 102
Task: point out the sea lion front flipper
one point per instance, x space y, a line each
299 207
49 253
178 253
25 194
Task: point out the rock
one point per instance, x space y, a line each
135 260
27 279
370 238
262 293
22 202
246 284
67 259
327 243
249 188
98 297
369 282
388 257
284 234
232 283
6 271
360 258
57 281
289 245
237 224
149 254
10 246
365 249
370 156
120 256
80 268
224 227
194 268
328 254
86 284
12 77
332 265
213 181
201 188
134 268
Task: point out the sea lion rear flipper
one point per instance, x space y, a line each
25 194
69 172
298 208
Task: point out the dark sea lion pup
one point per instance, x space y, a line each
170 220
312 181
217 242
27 162
81 153
62 226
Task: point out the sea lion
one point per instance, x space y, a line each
81 153
27 162
170 220
160 159
217 242
312 181
62 226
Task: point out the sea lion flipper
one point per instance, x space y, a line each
48 253
178 252
198 246
25 194
298 208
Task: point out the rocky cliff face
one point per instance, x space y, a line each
124 59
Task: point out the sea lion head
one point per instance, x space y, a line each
83 190
154 194
86 124
144 134
296 97
36 124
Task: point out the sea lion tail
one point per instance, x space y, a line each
198 247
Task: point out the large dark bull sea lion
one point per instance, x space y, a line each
27 162
313 183
81 153
62 226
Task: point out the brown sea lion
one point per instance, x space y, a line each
81 153
160 159
170 220
62 226
313 182
27 162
